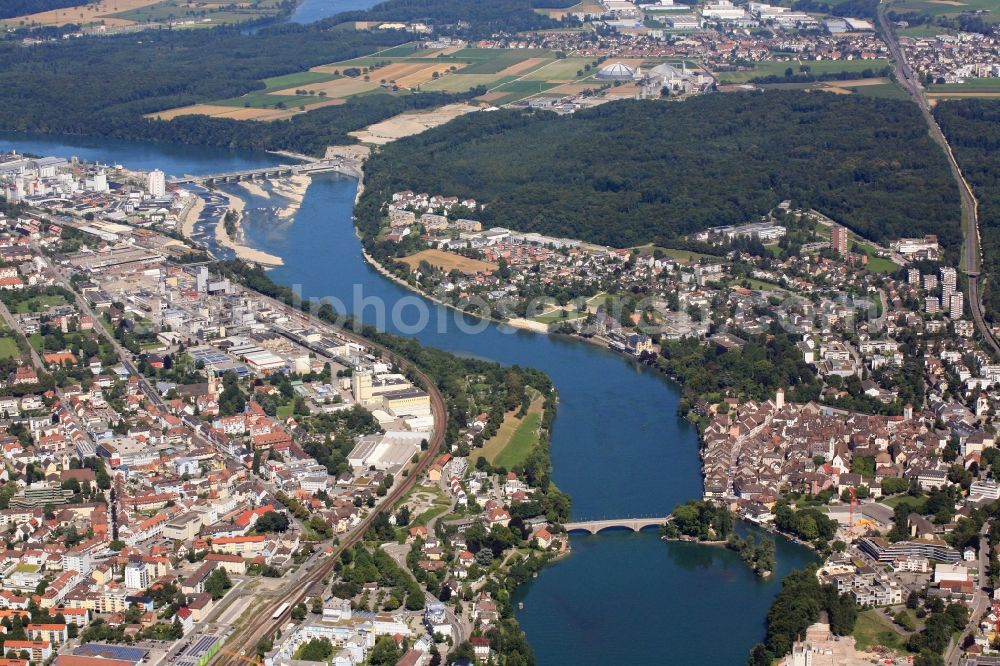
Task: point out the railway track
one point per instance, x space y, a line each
971 251
241 646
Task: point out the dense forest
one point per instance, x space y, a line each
12 8
973 129
632 172
765 363
473 19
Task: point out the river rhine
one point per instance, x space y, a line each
618 447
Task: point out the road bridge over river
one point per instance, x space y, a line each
634 524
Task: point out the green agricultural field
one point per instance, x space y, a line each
886 90
521 442
516 90
379 59
984 85
922 31
400 51
564 69
459 82
262 100
815 67
491 61
296 79
951 8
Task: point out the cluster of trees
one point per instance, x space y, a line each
611 175
231 399
938 505
808 524
218 583
359 566
272 521
765 364
701 520
759 555
941 621
973 130
318 649
798 605
339 430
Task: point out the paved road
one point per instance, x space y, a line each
980 600
971 252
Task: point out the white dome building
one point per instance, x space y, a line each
617 72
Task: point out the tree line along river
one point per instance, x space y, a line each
618 446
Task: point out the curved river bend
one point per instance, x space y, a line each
618 447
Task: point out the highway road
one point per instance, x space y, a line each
971 251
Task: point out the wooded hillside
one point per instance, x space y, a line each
633 172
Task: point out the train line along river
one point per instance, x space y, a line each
618 447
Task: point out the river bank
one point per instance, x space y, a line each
244 252
191 215
292 190
514 322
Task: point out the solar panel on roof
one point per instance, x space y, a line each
124 652
203 645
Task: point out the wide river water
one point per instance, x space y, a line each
618 447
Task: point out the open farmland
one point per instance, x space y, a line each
494 61
180 13
815 67
83 15
233 112
985 88
952 8
508 75
339 87
448 261
200 13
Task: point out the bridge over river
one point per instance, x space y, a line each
341 165
634 524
